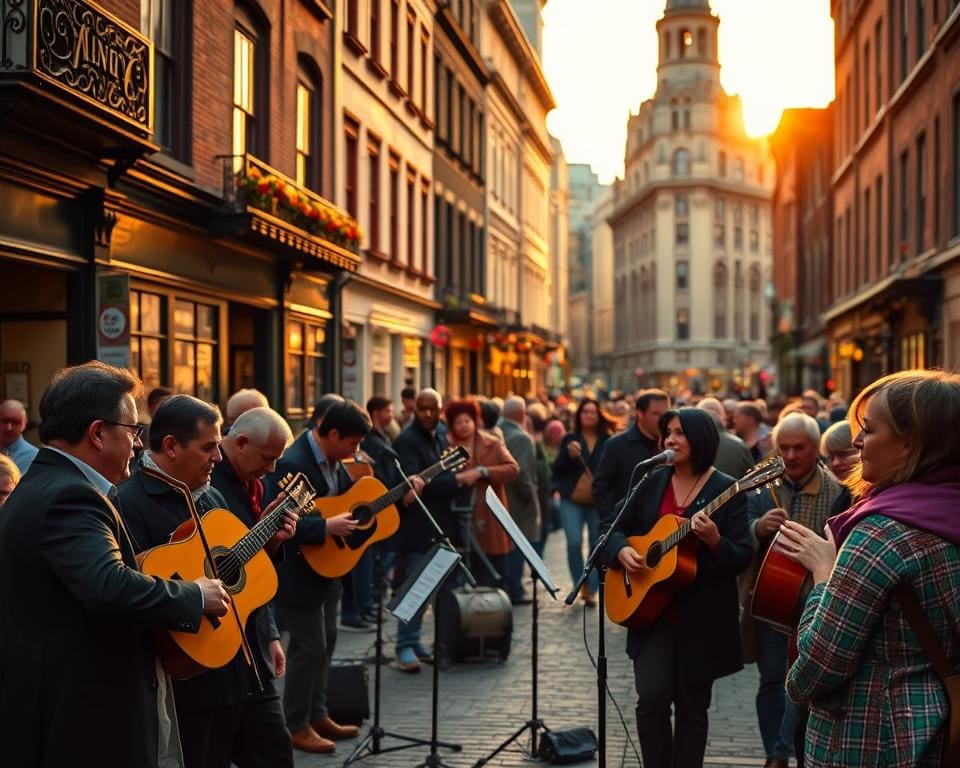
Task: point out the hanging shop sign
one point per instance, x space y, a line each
113 319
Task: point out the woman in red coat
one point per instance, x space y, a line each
490 465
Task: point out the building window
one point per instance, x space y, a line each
244 113
904 205
904 34
168 25
394 208
686 40
683 234
683 324
351 134
702 42
411 58
719 235
375 30
411 218
719 209
353 18
921 28
309 127
878 200
738 238
878 63
424 70
395 41
195 349
754 304
148 337
425 227
921 188
681 162
681 206
306 349
866 83
956 165
675 120
686 119
738 169
866 234
720 299
722 164
754 241
754 213
373 160
683 274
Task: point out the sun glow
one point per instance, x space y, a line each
774 53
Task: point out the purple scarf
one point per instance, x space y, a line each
931 503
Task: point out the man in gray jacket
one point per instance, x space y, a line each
521 493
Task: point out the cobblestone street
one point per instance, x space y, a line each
482 703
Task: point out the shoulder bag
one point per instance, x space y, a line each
582 492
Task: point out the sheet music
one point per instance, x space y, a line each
520 541
418 589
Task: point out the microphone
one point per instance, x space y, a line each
664 457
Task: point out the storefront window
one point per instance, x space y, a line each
306 349
147 333
194 349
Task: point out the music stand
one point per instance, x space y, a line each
370 745
538 571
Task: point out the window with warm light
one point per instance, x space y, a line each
306 352
148 312
166 23
195 349
244 60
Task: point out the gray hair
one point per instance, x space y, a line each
514 406
798 422
836 438
243 400
715 408
260 424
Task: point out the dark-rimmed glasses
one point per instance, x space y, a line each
135 429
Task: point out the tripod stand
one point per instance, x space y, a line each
534 724
370 745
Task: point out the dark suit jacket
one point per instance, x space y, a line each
301 587
152 511
567 470
709 608
382 453
418 450
621 454
77 665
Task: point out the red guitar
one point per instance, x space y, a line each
781 590
636 600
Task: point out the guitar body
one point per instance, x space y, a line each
637 600
251 586
781 590
338 555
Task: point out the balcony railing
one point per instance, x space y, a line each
284 211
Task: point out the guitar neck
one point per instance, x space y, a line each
395 494
677 536
265 529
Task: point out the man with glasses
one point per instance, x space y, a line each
80 680
230 714
13 420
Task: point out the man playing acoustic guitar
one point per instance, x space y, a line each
223 715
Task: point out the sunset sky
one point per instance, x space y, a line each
600 58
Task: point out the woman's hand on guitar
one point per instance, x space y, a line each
631 560
216 599
341 525
815 553
705 529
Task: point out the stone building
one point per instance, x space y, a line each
691 224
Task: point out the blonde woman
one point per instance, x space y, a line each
9 477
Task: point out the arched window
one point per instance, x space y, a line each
250 55
309 124
738 302
720 301
651 305
702 42
754 288
681 162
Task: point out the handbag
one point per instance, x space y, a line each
920 624
582 492
572 745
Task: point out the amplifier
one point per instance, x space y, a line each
348 697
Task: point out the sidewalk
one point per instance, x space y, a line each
482 703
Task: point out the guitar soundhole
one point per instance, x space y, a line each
362 514
654 555
229 568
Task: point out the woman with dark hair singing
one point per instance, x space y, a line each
696 639
874 696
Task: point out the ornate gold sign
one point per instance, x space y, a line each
96 56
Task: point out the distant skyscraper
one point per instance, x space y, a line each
691 224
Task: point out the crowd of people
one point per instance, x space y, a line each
867 504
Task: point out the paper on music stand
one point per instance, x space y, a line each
420 585
520 542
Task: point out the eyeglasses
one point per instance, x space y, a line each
135 429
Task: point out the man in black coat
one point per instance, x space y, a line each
419 446
309 601
229 714
623 452
78 673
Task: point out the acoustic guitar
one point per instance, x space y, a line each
670 556
781 590
373 507
242 565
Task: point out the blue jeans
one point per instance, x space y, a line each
574 517
776 714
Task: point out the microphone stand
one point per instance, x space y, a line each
595 560
433 760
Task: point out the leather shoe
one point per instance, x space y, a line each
308 740
329 729
775 762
